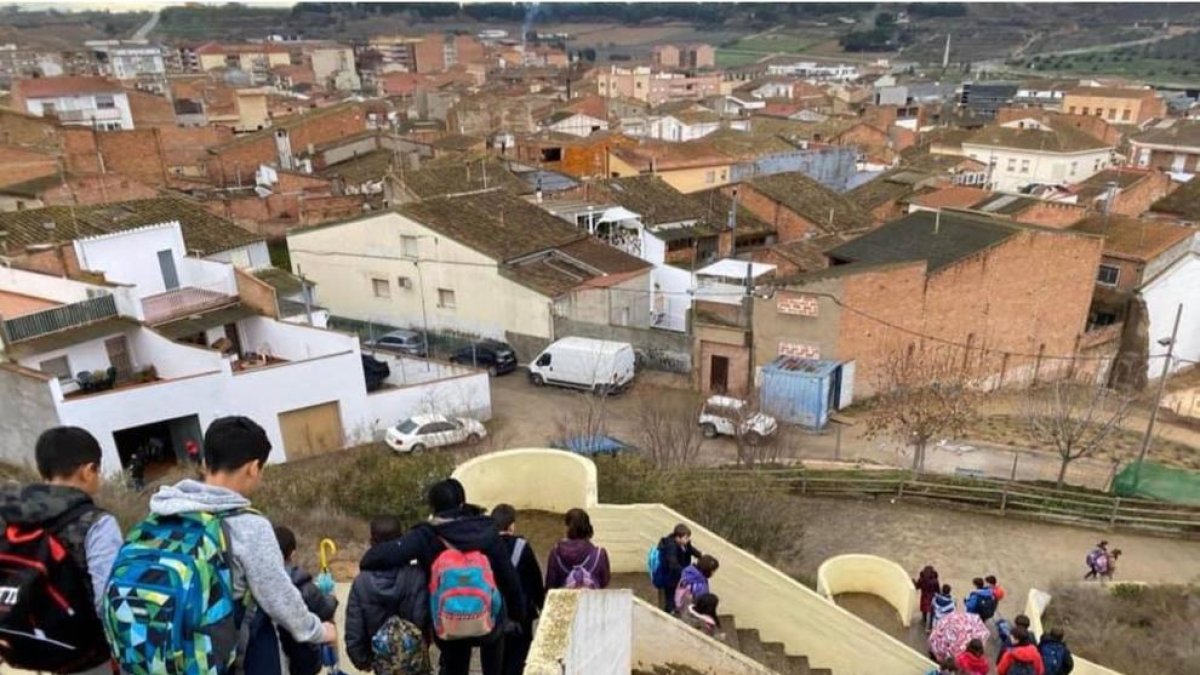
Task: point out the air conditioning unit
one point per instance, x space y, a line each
404 282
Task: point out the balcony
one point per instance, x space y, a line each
63 317
203 287
89 115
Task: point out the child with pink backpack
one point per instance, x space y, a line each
575 562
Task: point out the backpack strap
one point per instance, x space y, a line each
518 549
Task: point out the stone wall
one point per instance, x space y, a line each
28 410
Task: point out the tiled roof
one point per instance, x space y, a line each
364 168
453 175
716 212
1062 139
1184 202
815 202
671 155
939 239
808 254
1134 238
202 231
288 122
747 144
284 282
537 250
1097 185
1112 92
652 198
242 48
959 196
51 87
1183 133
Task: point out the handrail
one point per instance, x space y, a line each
36 324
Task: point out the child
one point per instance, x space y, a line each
943 604
1096 559
388 612
972 661
927 584
1109 564
303 659
947 667
68 460
676 552
517 643
997 589
701 614
1056 656
575 562
981 601
693 583
1024 656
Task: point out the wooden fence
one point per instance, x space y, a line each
1070 506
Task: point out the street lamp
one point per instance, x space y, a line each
1169 343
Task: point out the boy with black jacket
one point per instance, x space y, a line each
676 552
377 596
457 524
517 642
303 659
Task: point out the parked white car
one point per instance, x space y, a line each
722 416
415 434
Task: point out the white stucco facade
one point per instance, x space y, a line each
579 125
104 111
1177 284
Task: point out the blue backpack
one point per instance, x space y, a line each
656 568
170 608
1054 656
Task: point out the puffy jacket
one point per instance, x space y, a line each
377 596
971 664
943 605
1027 653
676 557
305 658
971 604
530 574
692 584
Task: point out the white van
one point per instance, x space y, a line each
584 363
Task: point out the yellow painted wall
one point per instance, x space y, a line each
252 110
859 573
760 596
694 180
1035 605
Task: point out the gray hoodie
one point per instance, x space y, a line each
257 562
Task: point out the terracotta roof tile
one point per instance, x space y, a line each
1134 238
51 87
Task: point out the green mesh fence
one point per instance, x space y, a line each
1160 482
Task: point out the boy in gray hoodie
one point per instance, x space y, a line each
235 453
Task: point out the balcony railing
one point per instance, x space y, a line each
55 319
183 302
97 114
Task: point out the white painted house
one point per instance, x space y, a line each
151 358
93 102
1178 284
678 127
574 124
1028 151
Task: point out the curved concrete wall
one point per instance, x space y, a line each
1035 606
859 573
760 596
536 478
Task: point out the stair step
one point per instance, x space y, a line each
798 665
819 671
729 628
751 645
776 658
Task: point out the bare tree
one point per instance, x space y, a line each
1075 418
669 434
922 392
586 417
757 440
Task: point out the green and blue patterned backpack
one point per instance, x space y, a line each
170 608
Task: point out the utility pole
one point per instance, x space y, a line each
1169 343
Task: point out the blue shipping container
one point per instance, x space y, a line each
804 391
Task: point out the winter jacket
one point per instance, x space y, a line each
465 530
999 592
305 659
942 605
971 604
377 596
971 664
928 586
675 557
692 584
92 538
569 553
1026 653
1068 662
530 574
257 569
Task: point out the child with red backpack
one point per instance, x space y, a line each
575 562
49 621
473 589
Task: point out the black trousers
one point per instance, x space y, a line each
456 658
516 650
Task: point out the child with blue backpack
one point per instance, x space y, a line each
1056 656
208 533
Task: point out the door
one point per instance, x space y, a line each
234 337
718 374
166 263
311 431
118 356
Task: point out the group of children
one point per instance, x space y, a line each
1019 653
192 587
683 586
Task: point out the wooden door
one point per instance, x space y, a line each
118 356
718 374
311 431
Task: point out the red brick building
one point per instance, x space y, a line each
1003 293
798 206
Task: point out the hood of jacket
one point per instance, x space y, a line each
1027 653
467 532
574 552
39 503
190 496
299 575
387 587
692 576
976 662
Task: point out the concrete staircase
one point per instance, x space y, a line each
744 640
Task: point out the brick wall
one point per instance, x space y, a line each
245 154
789 225
27 131
873 142
187 148
98 189
18 165
136 153
149 110
1052 214
1137 198
739 367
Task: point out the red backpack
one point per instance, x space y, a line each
463 597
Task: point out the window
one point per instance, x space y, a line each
1085 110
1012 164
1071 111
1112 113
1108 275
1125 115
544 359
105 102
446 298
1099 112
58 367
408 246
1024 166
404 283
381 288
1074 165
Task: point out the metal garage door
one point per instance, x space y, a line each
311 431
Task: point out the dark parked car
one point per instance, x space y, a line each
375 372
497 357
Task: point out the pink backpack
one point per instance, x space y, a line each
583 575
463 597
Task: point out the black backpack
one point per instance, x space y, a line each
985 606
47 616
